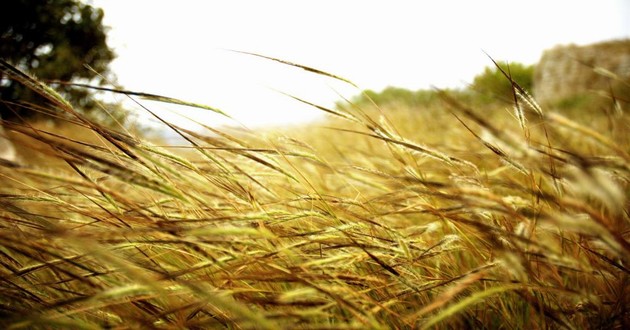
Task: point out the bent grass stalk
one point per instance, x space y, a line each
380 230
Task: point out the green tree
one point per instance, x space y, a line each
53 40
492 83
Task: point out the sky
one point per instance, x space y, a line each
185 48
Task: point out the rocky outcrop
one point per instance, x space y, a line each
565 73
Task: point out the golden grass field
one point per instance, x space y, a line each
448 217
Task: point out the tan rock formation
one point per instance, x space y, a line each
569 72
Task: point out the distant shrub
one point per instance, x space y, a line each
579 101
404 96
492 83
395 96
489 85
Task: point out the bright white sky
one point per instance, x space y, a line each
178 48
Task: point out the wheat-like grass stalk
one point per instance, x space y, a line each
379 229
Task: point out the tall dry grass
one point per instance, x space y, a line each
387 218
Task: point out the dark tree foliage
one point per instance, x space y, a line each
53 40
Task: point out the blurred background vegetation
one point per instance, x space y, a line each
58 41
491 85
